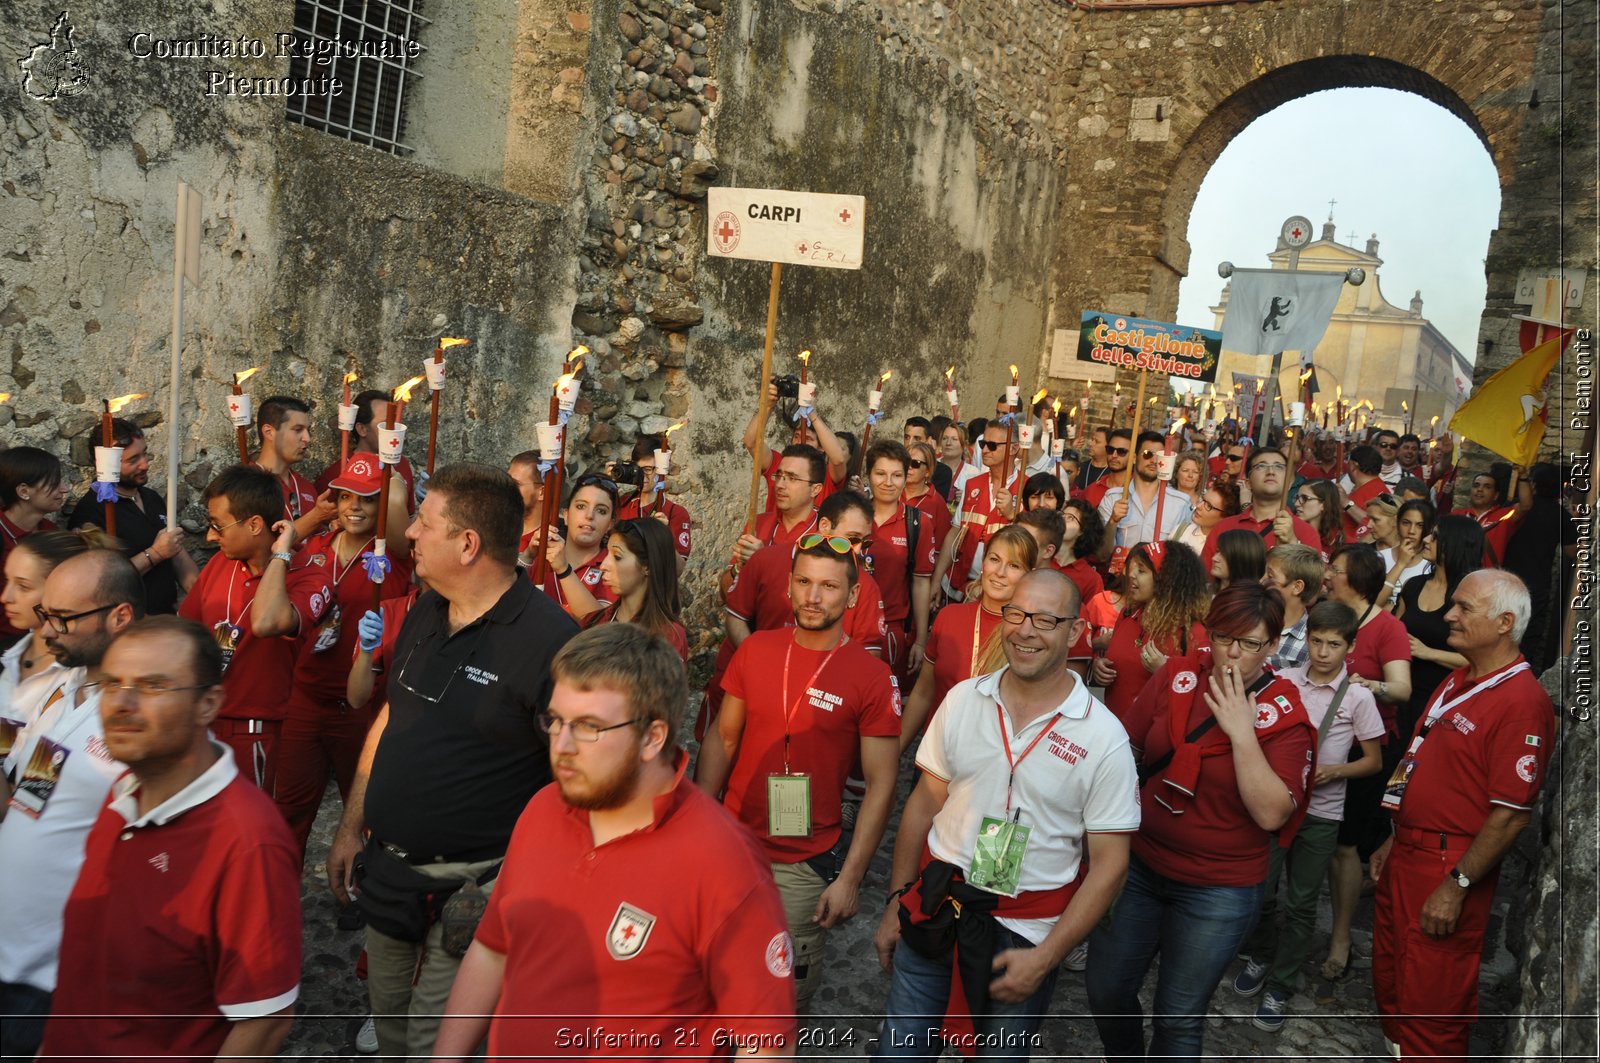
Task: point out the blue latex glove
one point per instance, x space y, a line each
369 631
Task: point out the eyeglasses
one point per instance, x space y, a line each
1235 457
990 444
582 730
1015 615
58 621
916 464
1205 503
1118 451
1268 466
791 478
1222 642
220 528
146 687
1146 455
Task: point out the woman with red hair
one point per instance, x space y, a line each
1164 598
1225 752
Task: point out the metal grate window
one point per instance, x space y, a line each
368 46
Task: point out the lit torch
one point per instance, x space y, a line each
434 368
806 398
874 404
1164 472
347 421
391 444
950 393
664 466
1057 444
108 461
239 411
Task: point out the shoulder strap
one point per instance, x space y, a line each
1149 771
913 533
1333 709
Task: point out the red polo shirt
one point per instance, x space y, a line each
588 572
678 520
299 494
955 642
889 562
1083 574
652 944
771 475
1304 532
1490 749
181 920
1214 842
771 532
258 675
976 513
1310 470
1382 639
829 711
323 668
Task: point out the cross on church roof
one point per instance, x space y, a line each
1331 202
1351 236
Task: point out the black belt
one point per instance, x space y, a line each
470 856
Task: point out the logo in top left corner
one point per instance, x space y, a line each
54 69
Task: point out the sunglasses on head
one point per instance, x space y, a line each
838 544
594 479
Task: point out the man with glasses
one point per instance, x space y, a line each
1024 776
988 503
456 753
669 920
1132 514
257 599
1118 446
182 933
1388 444
794 487
833 451
1096 467
56 778
802 705
1268 514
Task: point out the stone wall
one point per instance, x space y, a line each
827 97
316 253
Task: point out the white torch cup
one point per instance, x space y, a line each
1169 462
391 443
567 397
663 463
807 395
1025 435
239 410
550 442
435 371
347 417
108 465
1013 394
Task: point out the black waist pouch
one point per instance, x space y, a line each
397 899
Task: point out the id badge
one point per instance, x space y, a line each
40 777
997 856
227 636
789 806
1395 788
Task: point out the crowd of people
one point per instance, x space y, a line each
1154 696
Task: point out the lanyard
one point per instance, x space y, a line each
333 551
788 714
228 608
1005 741
977 627
1440 706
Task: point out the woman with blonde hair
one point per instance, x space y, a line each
965 639
1188 475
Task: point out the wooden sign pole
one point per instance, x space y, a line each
759 457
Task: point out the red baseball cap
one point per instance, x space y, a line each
362 475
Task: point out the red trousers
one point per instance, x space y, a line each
1427 988
318 741
255 748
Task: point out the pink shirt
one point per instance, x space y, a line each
1358 720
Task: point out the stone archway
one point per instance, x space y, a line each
1158 93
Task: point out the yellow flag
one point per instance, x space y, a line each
1508 412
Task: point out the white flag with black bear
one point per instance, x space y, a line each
1271 311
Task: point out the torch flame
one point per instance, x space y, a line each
805 357
1013 372
120 401
1433 422
1177 425
5 396
562 381
884 379
447 342
1056 408
1403 407
403 392
950 375
674 428
1305 376
1039 395
240 378
1338 393
1072 412
350 377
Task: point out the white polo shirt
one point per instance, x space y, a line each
1080 778
42 849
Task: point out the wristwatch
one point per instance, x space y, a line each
1461 880
280 555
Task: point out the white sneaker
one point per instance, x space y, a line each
367 1037
1394 1049
1078 958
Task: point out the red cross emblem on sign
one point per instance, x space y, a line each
1295 232
844 215
802 249
726 232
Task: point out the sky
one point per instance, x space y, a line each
1397 165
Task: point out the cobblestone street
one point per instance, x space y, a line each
1327 1021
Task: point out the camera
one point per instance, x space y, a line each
626 472
788 386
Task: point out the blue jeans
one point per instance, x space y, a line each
25 1009
1197 931
919 991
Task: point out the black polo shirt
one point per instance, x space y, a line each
136 530
462 754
